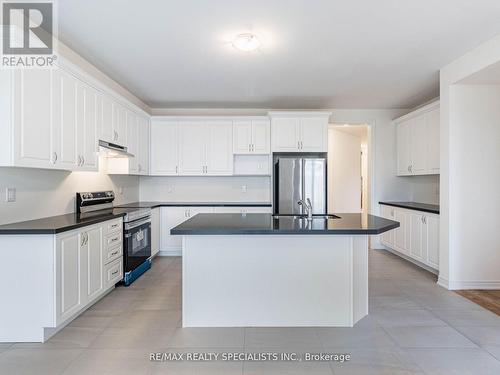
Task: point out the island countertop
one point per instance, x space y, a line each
266 224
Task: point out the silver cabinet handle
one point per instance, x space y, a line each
114 253
301 145
409 169
176 169
115 135
425 219
82 242
249 147
114 273
54 157
83 160
86 238
298 145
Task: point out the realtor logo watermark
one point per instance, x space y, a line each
28 34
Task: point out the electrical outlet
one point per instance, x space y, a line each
243 188
10 194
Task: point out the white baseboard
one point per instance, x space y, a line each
443 282
170 253
472 284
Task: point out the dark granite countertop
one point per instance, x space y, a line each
195 204
60 223
425 207
234 224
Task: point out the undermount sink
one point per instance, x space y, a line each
304 217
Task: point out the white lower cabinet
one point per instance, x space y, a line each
417 237
170 217
88 263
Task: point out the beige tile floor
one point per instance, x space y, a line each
414 327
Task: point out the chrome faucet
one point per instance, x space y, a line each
308 207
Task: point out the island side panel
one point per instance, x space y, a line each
268 280
360 277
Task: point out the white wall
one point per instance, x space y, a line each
42 193
344 172
470 176
205 189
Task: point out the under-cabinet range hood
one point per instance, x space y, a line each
112 150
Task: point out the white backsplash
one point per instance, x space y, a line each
206 189
42 193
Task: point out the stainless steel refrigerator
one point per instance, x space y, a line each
298 178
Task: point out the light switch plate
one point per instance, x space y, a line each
10 194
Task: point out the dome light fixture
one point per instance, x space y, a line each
246 42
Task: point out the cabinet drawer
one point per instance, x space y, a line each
113 273
113 254
113 226
112 240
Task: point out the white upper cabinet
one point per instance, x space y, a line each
299 131
143 159
32 118
106 122
65 119
251 136
418 142
54 118
192 148
133 142
219 148
164 148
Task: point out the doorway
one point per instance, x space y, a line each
348 168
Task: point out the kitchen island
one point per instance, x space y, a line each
256 270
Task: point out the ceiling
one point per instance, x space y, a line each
315 54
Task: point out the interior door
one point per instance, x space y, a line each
261 137
313 134
285 137
219 158
192 148
32 117
95 262
164 148
242 137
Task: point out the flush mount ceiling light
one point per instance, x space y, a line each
246 42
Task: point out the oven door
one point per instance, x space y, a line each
137 243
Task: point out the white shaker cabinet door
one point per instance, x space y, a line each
242 137
89 140
95 261
32 118
433 121
219 154
192 148
143 160
261 137
313 135
133 142
164 148
170 218
69 272
119 124
65 119
403 148
388 213
416 236
432 237
285 134
418 145
106 122
401 237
